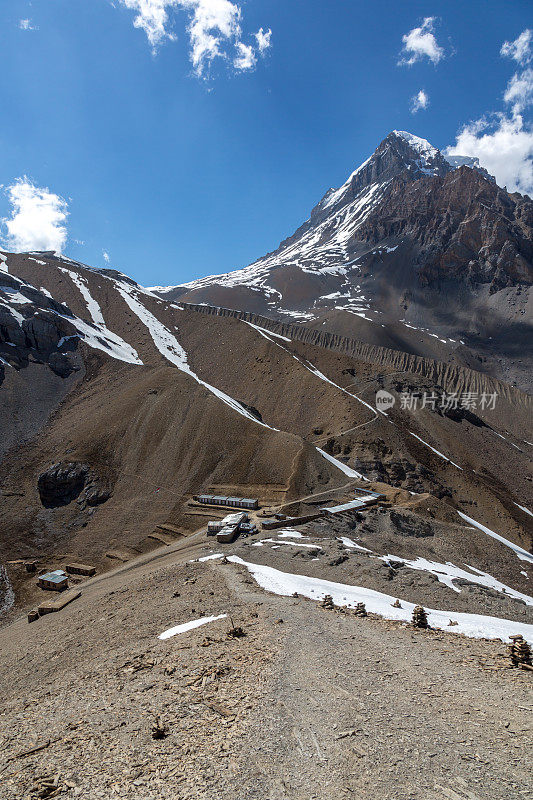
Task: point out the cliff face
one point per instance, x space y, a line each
463 226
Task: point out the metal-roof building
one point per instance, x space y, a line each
222 500
56 580
236 519
353 505
369 498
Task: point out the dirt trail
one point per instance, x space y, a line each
309 705
362 708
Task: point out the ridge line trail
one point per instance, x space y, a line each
362 708
356 395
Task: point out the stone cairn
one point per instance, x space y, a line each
159 730
360 610
419 618
328 603
519 651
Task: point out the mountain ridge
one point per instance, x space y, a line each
415 245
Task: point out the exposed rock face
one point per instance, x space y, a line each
376 461
32 327
397 523
456 220
395 155
64 482
464 227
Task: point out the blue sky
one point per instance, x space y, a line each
176 174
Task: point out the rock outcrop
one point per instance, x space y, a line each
65 482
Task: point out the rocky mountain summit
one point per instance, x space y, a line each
414 251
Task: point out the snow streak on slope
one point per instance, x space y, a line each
351 473
170 348
474 625
266 334
94 309
448 573
14 313
334 195
97 336
436 451
101 338
349 544
522 554
189 626
348 471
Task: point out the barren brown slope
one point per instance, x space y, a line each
202 411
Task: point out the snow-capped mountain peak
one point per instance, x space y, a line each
405 223
421 146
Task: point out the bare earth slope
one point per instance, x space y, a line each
141 403
118 406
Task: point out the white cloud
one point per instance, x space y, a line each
519 91
245 58
503 142
106 256
37 219
152 18
214 27
421 43
520 49
213 23
263 40
504 146
419 101
25 25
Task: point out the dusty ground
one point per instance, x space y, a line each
308 704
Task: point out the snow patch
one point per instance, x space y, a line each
436 451
94 309
294 544
268 333
211 557
350 544
170 348
473 625
448 573
189 626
